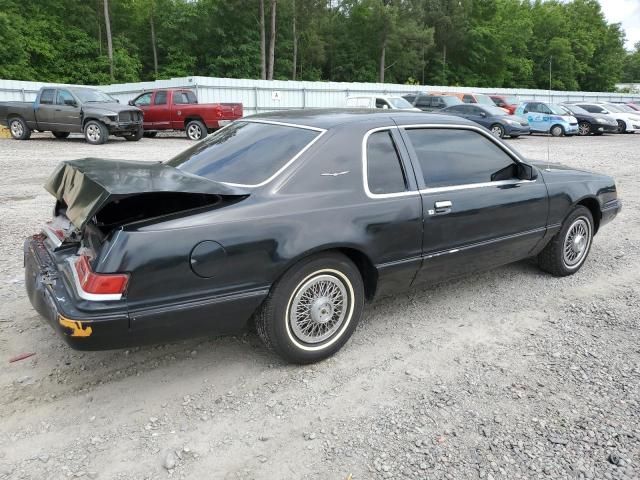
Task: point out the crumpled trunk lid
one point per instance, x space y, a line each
142 189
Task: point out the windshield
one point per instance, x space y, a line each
88 95
558 109
399 102
575 109
244 153
485 100
625 108
612 108
511 100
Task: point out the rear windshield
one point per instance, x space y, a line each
244 153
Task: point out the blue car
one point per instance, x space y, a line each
548 118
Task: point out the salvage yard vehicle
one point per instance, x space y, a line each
628 122
292 220
548 118
591 123
178 109
431 103
66 110
379 101
508 102
495 119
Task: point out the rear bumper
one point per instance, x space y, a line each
94 325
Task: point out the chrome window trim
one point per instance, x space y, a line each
321 131
465 186
93 297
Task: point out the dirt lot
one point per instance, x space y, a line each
503 375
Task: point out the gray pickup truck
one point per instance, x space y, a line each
63 110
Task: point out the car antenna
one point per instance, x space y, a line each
549 136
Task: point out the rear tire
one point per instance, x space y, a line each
149 134
557 131
95 132
19 129
313 309
568 249
195 130
136 136
584 129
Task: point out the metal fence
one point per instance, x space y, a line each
264 95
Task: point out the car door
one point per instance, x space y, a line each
533 112
477 213
158 111
67 112
46 109
143 102
459 110
478 115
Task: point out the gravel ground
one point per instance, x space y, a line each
503 375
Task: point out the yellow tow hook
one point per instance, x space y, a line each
77 330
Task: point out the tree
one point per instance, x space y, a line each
263 53
107 22
272 40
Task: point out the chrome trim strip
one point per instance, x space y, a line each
284 124
468 186
93 297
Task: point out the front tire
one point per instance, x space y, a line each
19 129
497 130
195 130
95 132
584 129
150 134
313 309
568 249
557 131
622 127
135 136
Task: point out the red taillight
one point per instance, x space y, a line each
99 283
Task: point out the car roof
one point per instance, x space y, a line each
336 117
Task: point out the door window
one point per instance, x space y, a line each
424 102
161 98
183 98
64 97
460 109
384 168
450 157
468 99
381 103
46 97
143 100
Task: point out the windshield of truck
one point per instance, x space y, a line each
88 95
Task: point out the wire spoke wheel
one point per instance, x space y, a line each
318 308
576 242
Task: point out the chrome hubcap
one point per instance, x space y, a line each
318 309
576 243
93 132
194 132
497 131
16 128
584 129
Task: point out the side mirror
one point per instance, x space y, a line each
131 103
527 172
606 111
385 107
483 115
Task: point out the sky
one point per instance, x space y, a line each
626 12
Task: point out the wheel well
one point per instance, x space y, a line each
594 207
365 266
556 125
188 119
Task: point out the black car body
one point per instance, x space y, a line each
65 110
591 123
495 119
381 201
428 102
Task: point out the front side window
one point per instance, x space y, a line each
468 99
424 102
245 153
46 97
450 157
161 98
384 169
143 100
64 97
381 103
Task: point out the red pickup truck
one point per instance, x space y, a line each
178 109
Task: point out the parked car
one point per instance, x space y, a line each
633 106
294 219
178 109
508 102
495 119
588 123
428 102
548 118
627 122
473 98
379 101
65 110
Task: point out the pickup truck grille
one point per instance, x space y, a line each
129 116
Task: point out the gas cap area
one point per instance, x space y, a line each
208 258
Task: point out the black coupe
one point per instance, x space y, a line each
293 220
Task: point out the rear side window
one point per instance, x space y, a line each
245 153
424 102
451 157
47 96
384 169
468 99
161 98
182 98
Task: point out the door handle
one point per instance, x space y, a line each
443 206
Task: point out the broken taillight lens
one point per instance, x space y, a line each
99 283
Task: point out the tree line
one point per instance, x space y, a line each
482 43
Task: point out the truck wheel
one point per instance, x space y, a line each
150 134
60 134
19 129
196 130
95 132
313 309
136 136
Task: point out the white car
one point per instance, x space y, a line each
627 121
380 101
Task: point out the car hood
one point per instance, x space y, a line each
112 107
88 185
